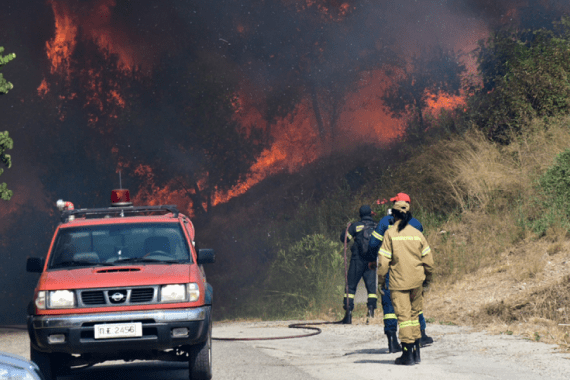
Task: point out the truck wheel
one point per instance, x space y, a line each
200 359
51 365
44 362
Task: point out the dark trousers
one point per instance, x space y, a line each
390 319
357 269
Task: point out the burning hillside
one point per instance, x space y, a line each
210 99
196 102
298 116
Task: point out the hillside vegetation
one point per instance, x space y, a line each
489 181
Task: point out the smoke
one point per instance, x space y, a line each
207 96
516 13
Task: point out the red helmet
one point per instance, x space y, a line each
401 197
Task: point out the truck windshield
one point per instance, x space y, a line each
119 244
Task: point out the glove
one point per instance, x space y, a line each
382 282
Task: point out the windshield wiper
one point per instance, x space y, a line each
145 260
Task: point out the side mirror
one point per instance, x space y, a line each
35 265
206 256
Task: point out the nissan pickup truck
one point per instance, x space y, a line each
121 283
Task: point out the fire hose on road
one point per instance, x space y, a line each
308 325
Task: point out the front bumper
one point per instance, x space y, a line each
157 326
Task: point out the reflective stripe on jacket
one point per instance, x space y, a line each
378 234
354 229
408 257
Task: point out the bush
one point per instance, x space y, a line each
524 74
554 187
556 180
307 277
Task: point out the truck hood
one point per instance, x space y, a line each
119 276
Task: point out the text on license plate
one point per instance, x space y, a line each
118 330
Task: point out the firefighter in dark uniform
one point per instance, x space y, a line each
390 320
359 267
407 254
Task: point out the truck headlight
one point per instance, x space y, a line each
41 300
193 292
61 299
173 293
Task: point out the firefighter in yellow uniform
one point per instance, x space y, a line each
406 253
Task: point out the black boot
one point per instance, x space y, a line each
393 345
407 352
370 311
347 320
425 340
416 354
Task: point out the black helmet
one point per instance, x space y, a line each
365 210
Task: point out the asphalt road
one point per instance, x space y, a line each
341 352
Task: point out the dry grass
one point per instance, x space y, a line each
473 240
556 234
480 175
528 269
537 149
494 186
526 292
470 172
554 248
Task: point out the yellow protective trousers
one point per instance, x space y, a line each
408 305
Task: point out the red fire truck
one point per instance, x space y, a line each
121 283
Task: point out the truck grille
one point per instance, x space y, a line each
93 297
142 295
117 296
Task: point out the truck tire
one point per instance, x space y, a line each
200 359
50 365
44 362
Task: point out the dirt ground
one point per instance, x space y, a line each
512 297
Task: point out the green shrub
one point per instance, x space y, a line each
307 277
556 180
525 76
554 187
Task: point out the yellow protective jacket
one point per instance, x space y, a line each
408 256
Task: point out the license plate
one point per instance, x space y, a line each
118 330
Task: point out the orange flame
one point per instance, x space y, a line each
152 194
43 89
364 118
60 48
96 25
444 101
259 171
297 142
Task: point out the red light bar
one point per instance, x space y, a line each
121 197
